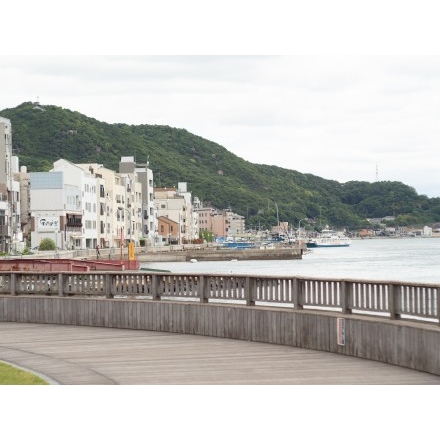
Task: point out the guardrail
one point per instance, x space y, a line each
388 299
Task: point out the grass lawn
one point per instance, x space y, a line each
10 375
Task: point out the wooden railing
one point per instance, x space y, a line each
388 299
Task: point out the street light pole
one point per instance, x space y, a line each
299 227
129 218
131 226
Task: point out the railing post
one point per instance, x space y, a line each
108 286
346 296
13 283
155 286
249 290
393 291
202 289
60 285
297 294
437 294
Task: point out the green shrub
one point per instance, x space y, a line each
47 244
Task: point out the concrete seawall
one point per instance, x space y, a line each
208 254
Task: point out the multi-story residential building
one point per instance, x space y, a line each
119 206
63 206
107 232
133 202
221 223
11 237
55 207
77 176
175 204
144 175
234 223
25 201
205 216
189 227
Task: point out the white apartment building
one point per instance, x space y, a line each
190 228
74 175
55 208
106 182
108 207
63 206
119 206
144 175
11 236
149 226
25 213
130 211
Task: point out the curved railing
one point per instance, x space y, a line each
386 299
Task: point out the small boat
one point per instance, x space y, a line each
236 244
328 238
239 244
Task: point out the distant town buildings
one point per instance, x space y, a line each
81 206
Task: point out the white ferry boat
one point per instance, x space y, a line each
328 238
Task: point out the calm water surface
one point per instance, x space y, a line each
399 259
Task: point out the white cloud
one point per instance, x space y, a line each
335 117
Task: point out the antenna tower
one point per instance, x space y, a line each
377 173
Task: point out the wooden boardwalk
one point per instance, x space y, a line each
85 355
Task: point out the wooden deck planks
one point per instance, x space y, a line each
85 355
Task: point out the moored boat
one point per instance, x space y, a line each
232 243
239 244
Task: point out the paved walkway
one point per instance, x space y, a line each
89 355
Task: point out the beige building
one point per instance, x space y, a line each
234 223
175 204
222 223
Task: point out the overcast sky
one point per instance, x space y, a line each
342 117
371 101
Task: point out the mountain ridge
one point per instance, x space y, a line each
264 194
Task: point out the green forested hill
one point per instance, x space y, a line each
213 174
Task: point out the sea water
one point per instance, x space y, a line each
396 259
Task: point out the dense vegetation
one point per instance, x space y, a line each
263 194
